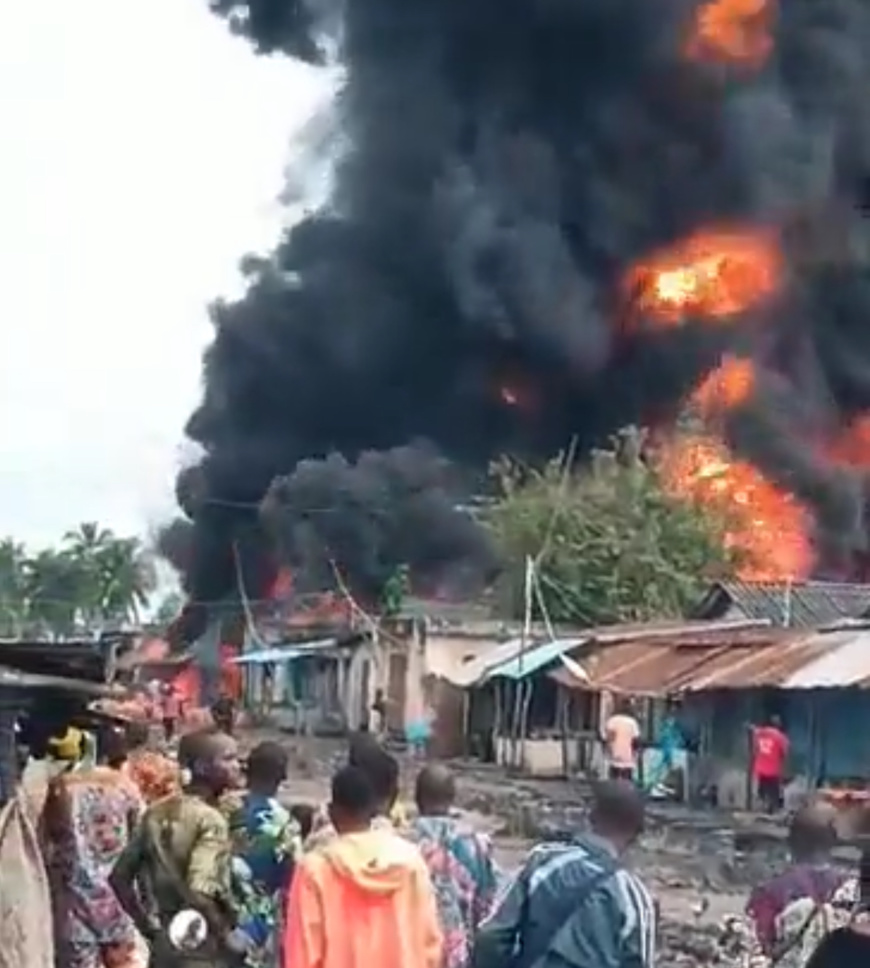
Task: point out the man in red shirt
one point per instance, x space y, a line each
769 753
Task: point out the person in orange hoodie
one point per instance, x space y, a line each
364 898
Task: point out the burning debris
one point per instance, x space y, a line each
629 206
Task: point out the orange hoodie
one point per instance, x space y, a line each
361 901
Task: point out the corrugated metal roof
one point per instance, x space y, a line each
17 679
503 658
532 660
284 653
847 663
751 659
806 605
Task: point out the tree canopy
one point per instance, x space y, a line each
609 542
93 577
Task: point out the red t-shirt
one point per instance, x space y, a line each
770 748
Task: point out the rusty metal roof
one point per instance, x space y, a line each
803 605
719 659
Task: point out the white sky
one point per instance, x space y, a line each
142 150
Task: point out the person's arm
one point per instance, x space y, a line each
600 934
431 938
636 740
304 929
762 913
497 937
208 872
123 880
487 883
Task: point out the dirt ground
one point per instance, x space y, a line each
700 865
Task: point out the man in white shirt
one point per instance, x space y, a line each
622 742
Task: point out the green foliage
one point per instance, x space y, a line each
610 543
93 578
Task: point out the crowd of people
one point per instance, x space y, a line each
193 860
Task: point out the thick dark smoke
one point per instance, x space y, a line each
507 160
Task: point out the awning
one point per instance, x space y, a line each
286 653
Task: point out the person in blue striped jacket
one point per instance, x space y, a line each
575 904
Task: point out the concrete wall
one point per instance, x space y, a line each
537 757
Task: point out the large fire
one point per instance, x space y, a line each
769 528
713 275
732 32
728 387
718 276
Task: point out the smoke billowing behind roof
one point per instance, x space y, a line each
508 161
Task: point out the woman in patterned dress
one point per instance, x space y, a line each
90 815
266 842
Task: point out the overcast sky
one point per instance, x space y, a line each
142 150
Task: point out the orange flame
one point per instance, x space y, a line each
732 32
769 527
728 387
851 446
714 275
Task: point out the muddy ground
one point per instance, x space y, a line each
700 865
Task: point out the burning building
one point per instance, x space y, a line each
551 218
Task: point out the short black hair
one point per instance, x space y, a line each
196 746
362 746
382 771
812 829
352 793
267 761
618 806
435 786
111 744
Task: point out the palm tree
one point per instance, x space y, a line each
126 577
56 590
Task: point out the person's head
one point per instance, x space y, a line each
812 831
353 803
267 767
624 706
382 771
435 790
303 814
137 735
211 758
617 813
223 714
774 720
112 746
360 747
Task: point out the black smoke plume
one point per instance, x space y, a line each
506 161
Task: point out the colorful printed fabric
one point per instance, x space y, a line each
155 775
804 923
464 877
814 884
266 843
90 816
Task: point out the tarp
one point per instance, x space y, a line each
26 927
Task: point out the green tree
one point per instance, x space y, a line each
13 607
93 577
117 574
57 592
609 542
